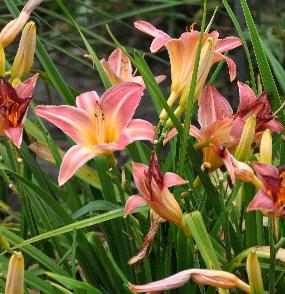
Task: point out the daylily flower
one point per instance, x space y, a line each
271 198
98 126
214 278
15 274
13 28
215 119
153 186
250 104
182 54
119 69
14 103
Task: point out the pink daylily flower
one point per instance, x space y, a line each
119 69
182 54
214 278
98 126
153 186
271 198
14 103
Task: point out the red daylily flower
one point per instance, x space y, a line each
14 103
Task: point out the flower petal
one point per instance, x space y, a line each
88 101
75 122
261 201
160 37
139 172
246 95
74 158
263 169
120 64
120 102
15 134
26 88
212 107
132 203
139 129
172 179
227 44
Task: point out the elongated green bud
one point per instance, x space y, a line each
15 275
25 55
4 243
266 147
2 61
254 273
244 147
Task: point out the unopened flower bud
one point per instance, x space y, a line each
2 61
25 55
244 147
254 273
15 275
266 147
4 242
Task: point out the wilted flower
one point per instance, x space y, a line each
14 103
214 278
182 54
271 198
25 55
99 126
153 186
13 28
15 275
119 69
155 221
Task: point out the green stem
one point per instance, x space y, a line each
272 256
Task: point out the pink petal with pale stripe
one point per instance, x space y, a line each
139 172
15 134
26 88
132 203
88 101
246 95
139 129
120 64
227 44
120 102
172 179
161 38
74 158
261 201
73 121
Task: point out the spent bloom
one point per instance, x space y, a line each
13 28
270 199
214 278
98 125
14 103
15 274
153 186
182 54
119 69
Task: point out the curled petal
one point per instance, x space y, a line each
74 158
132 203
26 88
160 37
88 101
139 172
232 67
261 201
170 135
227 44
120 102
171 179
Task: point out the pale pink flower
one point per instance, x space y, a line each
182 54
98 126
14 103
119 69
153 186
